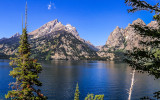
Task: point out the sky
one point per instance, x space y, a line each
93 19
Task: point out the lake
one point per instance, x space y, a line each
112 79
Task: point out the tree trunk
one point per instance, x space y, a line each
132 83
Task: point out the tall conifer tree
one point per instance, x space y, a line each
26 71
76 95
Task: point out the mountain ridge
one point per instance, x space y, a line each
52 40
125 39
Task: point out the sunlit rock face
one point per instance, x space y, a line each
8 46
116 39
53 40
153 24
63 45
125 39
55 26
48 28
15 35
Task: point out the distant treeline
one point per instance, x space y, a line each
3 56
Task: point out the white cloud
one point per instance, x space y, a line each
51 5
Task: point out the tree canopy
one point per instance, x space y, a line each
146 59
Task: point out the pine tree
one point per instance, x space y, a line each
148 58
96 97
89 96
76 95
26 71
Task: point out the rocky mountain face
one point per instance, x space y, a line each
8 46
61 45
116 39
54 26
52 41
124 39
15 35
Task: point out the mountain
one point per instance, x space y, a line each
3 39
54 26
53 41
15 35
8 46
124 39
61 45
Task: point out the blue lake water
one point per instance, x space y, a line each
112 79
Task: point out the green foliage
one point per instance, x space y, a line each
142 5
3 56
148 58
76 95
125 43
89 96
96 97
48 57
26 71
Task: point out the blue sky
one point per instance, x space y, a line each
94 19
